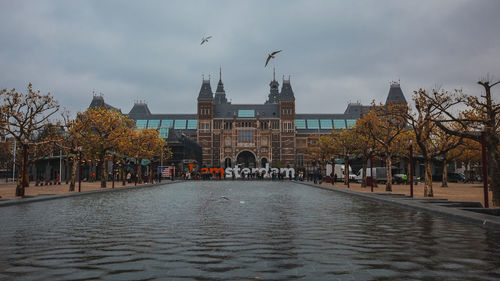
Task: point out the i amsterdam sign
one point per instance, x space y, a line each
238 172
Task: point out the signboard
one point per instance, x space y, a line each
166 171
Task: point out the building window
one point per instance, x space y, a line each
351 123
287 127
300 123
326 124
227 162
167 123
228 125
243 113
180 124
300 160
164 132
246 136
275 125
204 126
264 125
192 124
141 124
153 124
217 124
339 124
312 124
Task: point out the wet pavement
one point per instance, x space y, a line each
238 231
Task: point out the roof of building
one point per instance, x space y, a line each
324 116
395 94
139 108
205 90
98 101
266 111
166 116
356 109
220 94
286 90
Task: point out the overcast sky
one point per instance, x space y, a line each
336 52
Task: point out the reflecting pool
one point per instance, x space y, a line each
237 231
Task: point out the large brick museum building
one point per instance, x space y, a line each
251 134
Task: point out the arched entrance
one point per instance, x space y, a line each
246 159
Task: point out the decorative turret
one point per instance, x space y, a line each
205 90
274 94
286 90
140 108
395 94
98 102
220 94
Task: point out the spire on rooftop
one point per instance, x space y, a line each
274 94
206 89
220 94
395 94
286 89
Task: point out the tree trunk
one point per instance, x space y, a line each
363 181
73 173
90 169
123 172
388 164
428 192
21 182
139 170
346 170
104 175
333 171
444 180
151 171
67 168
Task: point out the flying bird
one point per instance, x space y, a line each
271 56
205 39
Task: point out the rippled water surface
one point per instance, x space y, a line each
262 231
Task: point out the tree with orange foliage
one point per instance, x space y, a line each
101 131
345 143
384 123
146 144
366 145
22 116
430 139
469 153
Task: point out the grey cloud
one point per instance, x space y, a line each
335 51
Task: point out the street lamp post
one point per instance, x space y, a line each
411 168
113 173
14 164
347 170
60 166
371 170
80 170
485 170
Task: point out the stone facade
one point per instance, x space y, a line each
252 134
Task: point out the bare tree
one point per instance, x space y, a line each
480 116
429 137
22 116
384 124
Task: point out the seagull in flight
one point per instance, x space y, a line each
205 39
271 56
